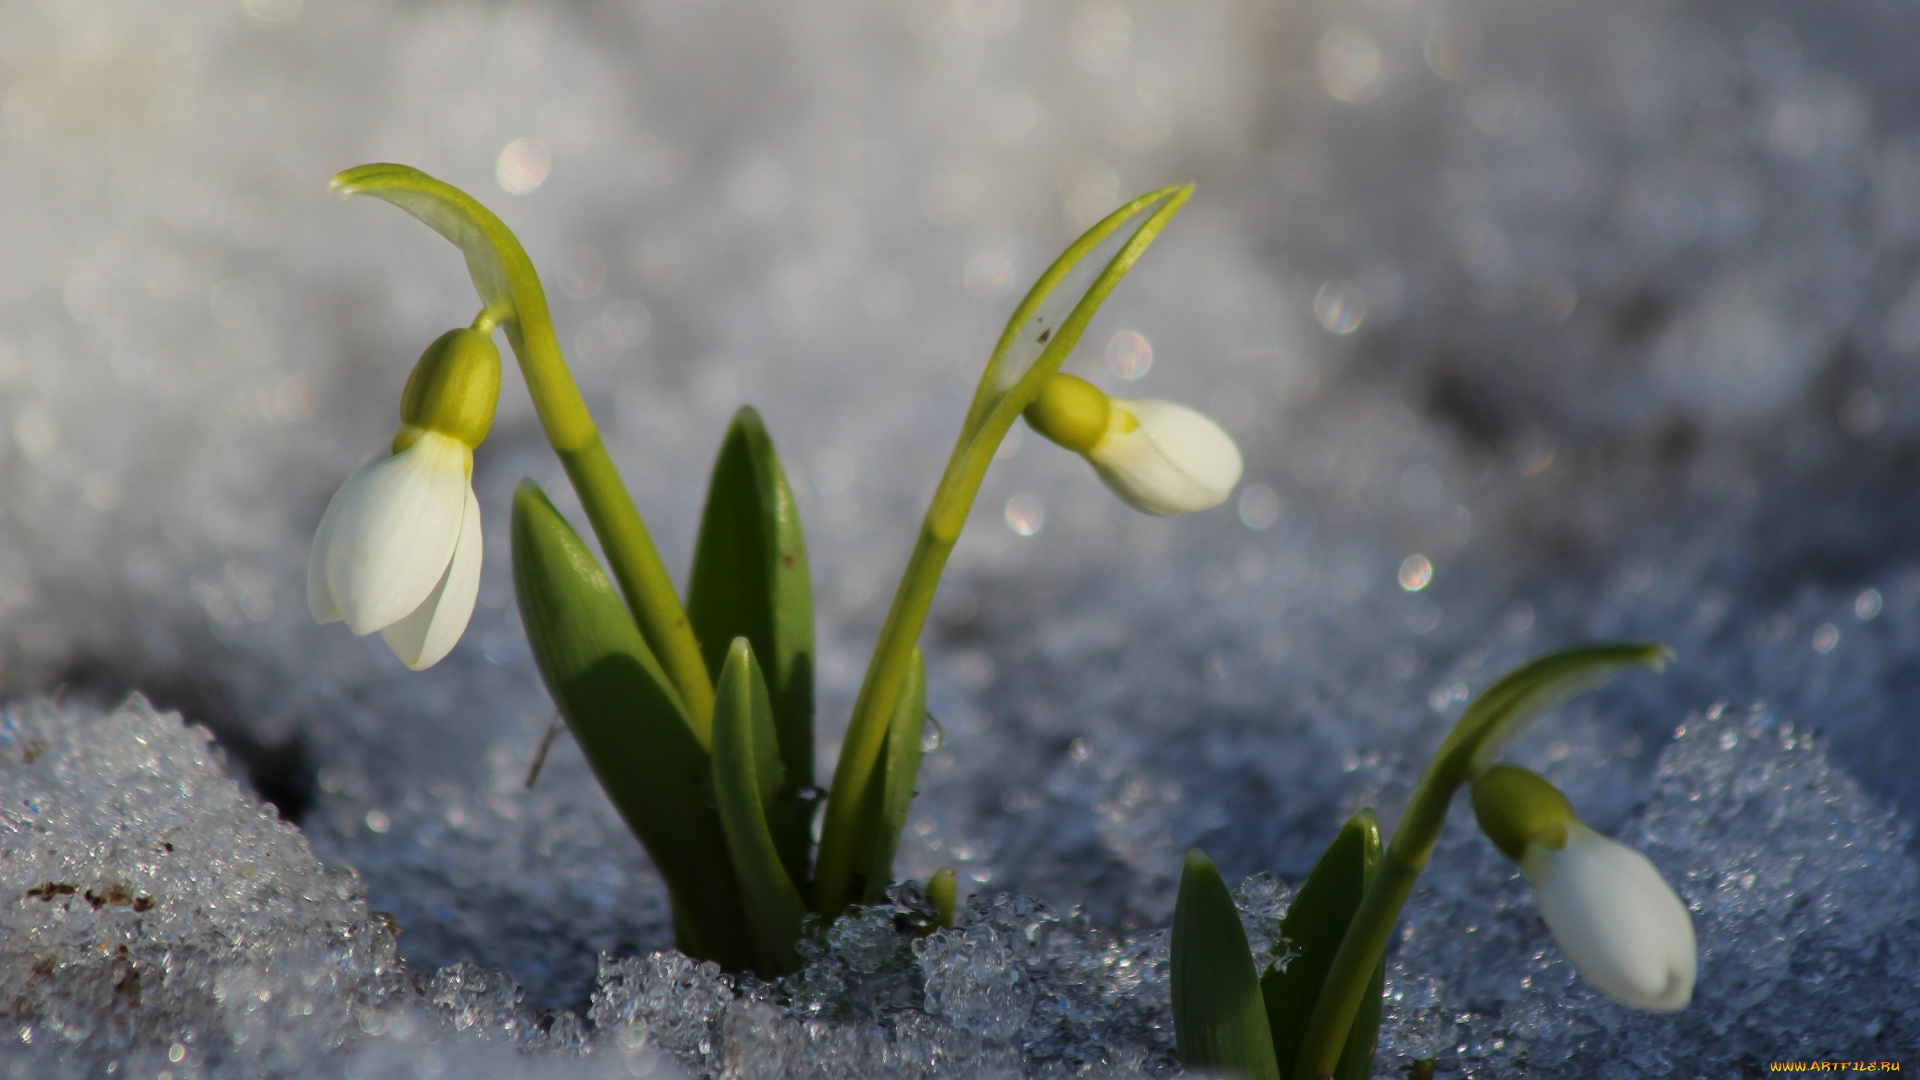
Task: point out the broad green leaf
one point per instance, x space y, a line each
1219 1019
1510 706
747 776
1049 321
628 722
750 580
892 794
1315 924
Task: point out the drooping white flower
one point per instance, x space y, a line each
1164 458
1611 912
1616 918
398 550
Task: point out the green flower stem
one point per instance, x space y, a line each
508 286
1484 731
1042 331
887 671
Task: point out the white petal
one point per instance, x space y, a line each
1176 461
319 597
391 532
1616 919
425 637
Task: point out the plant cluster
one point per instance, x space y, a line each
697 717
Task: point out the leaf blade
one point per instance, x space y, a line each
1219 1017
1315 924
747 775
1505 710
628 721
750 579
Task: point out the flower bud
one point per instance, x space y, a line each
453 389
1163 458
1615 918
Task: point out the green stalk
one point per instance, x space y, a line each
508 286
1042 331
1483 733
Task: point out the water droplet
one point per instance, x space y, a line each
1340 306
1825 638
1259 507
1351 65
988 276
1867 605
1129 354
1026 514
523 166
1415 573
378 822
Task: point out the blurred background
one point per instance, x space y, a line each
1537 321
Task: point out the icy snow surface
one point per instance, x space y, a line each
1538 320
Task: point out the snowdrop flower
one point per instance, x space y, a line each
398 550
1610 911
1159 457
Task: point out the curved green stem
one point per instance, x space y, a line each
510 289
1042 331
1485 730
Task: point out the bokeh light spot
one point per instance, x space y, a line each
523 166
1415 573
1129 354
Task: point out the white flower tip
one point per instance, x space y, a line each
425 637
1616 919
1175 460
398 551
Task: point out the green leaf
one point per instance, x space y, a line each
747 777
1219 1019
1510 706
1315 924
629 722
750 580
891 796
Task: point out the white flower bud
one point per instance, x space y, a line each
398 550
1615 918
1163 458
